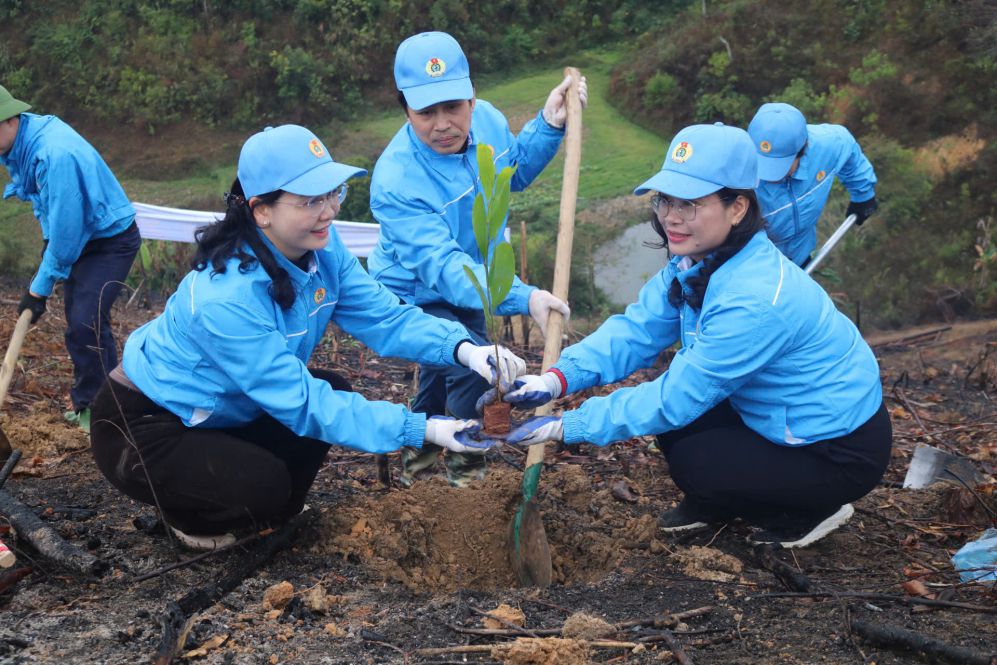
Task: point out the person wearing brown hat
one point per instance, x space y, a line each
89 232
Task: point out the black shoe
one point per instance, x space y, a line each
681 518
801 532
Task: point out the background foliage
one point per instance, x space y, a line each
912 80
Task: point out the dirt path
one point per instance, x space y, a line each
377 573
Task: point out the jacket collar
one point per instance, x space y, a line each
28 131
298 276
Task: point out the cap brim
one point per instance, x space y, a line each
679 185
423 96
774 169
14 107
323 178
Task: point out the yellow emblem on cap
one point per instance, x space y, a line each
436 67
682 152
319 296
765 147
821 175
316 147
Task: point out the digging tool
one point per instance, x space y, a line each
7 371
529 551
812 264
929 464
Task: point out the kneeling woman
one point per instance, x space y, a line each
213 415
772 411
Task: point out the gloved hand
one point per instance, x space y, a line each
482 360
537 430
554 111
530 391
541 303
460 436
862 210
35 303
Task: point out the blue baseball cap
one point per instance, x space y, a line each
703 159
778 131
290 158
431 68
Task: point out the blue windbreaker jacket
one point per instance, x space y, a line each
423 201
74 195
768 338
793 206
223 352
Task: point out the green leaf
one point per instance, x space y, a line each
502 273
500 203
480 222
477 287
486 168
145 257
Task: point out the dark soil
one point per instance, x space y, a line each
377 573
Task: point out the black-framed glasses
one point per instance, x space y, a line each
316 204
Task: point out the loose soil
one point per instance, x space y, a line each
378 573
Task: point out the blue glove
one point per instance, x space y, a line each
460 436
530 391
537 430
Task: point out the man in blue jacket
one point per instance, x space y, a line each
797 163
422 192
89 230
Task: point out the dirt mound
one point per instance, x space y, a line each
42 433
546 651
433 537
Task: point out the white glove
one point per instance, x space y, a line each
537 430
554 112
456 435
541 303
530 391
482 360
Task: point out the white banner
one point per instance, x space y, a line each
160 223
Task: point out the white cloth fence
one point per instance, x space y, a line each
177 225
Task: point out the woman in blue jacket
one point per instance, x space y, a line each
772 410
213 415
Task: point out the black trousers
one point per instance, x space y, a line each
447 389
91 288
206 481
728 470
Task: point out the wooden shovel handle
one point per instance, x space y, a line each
13 350
565 237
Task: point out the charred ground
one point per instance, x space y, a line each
374 574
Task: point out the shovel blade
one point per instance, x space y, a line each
529 551
929 465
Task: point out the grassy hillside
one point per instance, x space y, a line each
193 171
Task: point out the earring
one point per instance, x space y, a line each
265 224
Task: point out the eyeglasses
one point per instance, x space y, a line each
316 204
686 210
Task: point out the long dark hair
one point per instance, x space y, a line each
739 235
230 236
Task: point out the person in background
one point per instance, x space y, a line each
772 411
422 192
214 415
797 163
89 231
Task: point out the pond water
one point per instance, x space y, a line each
623 265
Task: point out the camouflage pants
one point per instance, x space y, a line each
462 468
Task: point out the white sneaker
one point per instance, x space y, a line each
203 543
801 533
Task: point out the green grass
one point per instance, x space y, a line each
616 155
